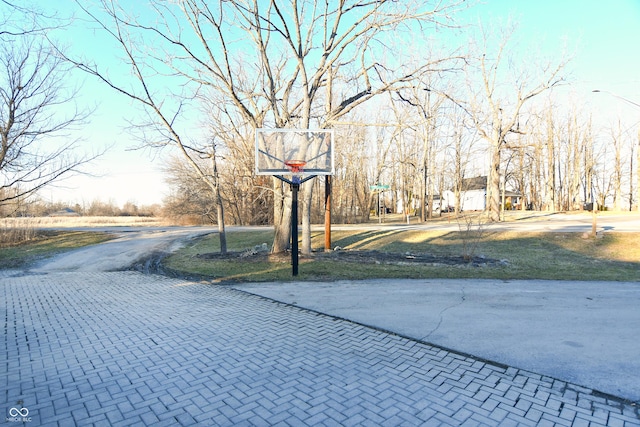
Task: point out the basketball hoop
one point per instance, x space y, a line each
295 156
294 151
297 168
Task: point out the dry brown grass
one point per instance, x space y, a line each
79 221
18 231
12 236
550 256
41 243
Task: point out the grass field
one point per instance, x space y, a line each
78 221
38 244
393 253
28 239
553 256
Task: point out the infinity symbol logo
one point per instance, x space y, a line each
14 412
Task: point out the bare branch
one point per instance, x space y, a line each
32 91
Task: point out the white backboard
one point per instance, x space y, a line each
312 148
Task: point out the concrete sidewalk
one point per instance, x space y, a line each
581 332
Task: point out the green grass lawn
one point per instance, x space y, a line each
553 256
45 243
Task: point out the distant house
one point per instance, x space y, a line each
445 202
65 212
473 196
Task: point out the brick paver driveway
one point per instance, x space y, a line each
123 348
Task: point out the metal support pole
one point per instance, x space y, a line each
295 183
295 186
327 213
502 208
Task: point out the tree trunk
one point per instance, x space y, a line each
550 201
638 173
307 196
281 216
617 173
219 206
493 184
575 191
221 229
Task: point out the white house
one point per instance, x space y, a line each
473 196
473 200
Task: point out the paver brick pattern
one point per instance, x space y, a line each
122 348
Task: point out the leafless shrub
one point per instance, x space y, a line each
11 235
472 229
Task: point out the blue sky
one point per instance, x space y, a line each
603 37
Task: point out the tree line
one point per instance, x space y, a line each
36 207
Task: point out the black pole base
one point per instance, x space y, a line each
295 187
294 227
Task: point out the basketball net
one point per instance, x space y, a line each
297 169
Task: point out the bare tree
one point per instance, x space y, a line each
637 200
426 105
404 156
37 110
351 195
272 61
344 37
588 163
574 140
495 109
462 150
165 110
190 196
21 18
617 140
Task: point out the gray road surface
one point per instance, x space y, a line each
581 332
131 246
628 222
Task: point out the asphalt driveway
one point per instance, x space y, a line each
581 332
